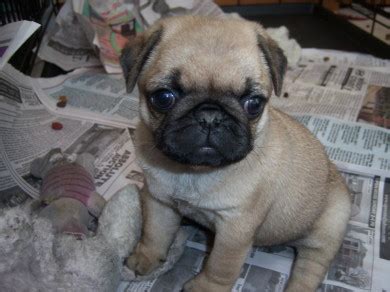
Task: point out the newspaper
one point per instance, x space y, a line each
91 94
337 84
26 133
13 36
344 58
67 58
67 42
113 22
356 146
89 33
301 98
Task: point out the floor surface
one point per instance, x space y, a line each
316 28
312 31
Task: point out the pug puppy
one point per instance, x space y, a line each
214 150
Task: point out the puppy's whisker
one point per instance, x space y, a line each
181 128
259 156
147 148
250 162
144 144
230 129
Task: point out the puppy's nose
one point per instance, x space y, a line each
209 115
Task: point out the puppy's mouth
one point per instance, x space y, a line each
206 155
205 136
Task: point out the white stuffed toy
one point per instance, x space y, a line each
34 256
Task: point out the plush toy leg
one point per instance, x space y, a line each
40 166
86 160
96 204
67 216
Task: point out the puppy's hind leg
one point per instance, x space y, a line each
319 247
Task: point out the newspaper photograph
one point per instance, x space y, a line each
364 191
353 264
376 106
384 248
382 239
358 265
252 277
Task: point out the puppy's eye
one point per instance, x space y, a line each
163 100
253 106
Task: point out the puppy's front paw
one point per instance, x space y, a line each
202 283
143 260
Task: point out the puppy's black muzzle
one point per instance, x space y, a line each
208 115
206 135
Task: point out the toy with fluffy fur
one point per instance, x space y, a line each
37 255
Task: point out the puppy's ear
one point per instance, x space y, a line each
276 61
136 53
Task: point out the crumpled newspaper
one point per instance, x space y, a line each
112 23
90 32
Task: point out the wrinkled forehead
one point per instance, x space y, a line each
209 56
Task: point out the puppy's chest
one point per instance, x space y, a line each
166 187
184 187
191 205
202 216
193 198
